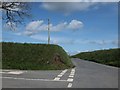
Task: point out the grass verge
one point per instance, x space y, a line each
34 57
109 57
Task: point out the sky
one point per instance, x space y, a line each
77 26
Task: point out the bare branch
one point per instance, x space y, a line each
15 12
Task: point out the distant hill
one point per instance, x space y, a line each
34 57
108 57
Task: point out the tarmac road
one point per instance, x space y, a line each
86 74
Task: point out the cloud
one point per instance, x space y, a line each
61 40
67 7
53 39
115 42
34 25
75 24
6 38
97 42
61 0
59 26
38 26
68 40
79 0
42 38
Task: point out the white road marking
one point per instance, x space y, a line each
69 85
60 75
15 72
73 69
11 72
71 76
70 80
57 78
33 79
72 73
65 70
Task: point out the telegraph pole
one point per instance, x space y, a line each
48 31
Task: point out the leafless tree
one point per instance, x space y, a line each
14 12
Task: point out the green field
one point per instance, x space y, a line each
109 57
34 57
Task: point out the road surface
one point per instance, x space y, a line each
86 74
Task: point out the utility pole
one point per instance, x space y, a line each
48 31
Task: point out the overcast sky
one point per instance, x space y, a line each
77 27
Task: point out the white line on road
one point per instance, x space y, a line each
15 72
71 76
33 79
69 85
57 78
60 75
70 79
12 72
72 73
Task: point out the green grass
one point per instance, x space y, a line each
0 55
34 57
109 57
